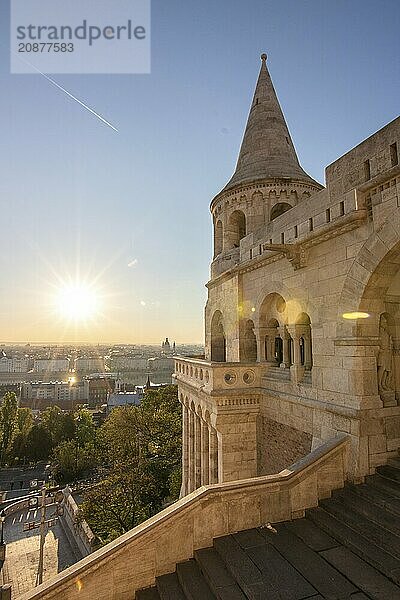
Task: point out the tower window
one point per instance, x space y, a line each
341 209
282 238
260 249
394 157
310 224
328 215
296 234
251 253
367 170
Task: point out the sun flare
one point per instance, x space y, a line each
77 302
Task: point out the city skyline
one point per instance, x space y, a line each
126 214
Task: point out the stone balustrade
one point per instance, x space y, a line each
219 376
135 559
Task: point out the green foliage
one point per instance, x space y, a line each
8 424
140 447
71 461
60 425
85 431
38 443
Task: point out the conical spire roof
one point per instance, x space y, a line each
267 149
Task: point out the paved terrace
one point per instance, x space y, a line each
22 555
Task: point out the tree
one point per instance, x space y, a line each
85 431
24 424
140 449
8 423
38 443
70 462
60 425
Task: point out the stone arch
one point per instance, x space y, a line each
369 289
273 307
278 209
236 229
218 237
368 280
218 340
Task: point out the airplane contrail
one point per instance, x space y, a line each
102 119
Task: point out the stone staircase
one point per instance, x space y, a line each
348 547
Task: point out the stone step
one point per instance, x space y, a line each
322 576
280 577
192 581
373 494
344 511
365 577
242 568
356 542
382 516
169 588
147 594
394 462
387 485
217 575
311 535
389 471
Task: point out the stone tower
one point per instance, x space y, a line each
290 361
268 181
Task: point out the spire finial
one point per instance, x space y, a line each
263 57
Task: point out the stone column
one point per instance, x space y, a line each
205 460
297 369
191 459
260 333
197 451
285 339
307 351
185 450
271 332
213 454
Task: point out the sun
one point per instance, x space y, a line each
77 302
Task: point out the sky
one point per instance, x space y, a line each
127 213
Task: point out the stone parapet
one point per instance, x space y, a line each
134 560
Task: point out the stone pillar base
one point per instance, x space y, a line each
388 398
297 373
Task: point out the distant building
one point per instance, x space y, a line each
14 365
161 368
38 394
117 399
91 364
124 362
166 346
100 387
53 365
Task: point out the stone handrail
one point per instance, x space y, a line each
135 559
75 525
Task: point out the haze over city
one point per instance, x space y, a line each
108 235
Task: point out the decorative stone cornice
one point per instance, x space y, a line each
334 229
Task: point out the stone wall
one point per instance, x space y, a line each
279 446
135 559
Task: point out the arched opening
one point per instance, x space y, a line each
273 346
218 238
303 328
272 321
249 345
279 209
218 341
236 229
